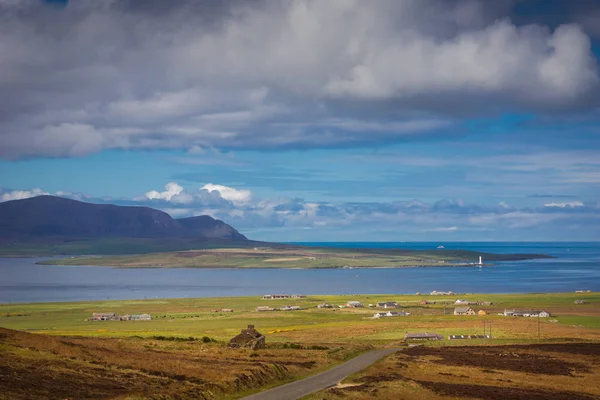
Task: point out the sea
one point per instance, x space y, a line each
576 267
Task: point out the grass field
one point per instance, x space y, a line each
195 317
169 354
291 257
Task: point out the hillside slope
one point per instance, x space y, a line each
209 227
46 217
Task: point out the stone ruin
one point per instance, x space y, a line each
249 338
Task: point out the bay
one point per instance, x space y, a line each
577 267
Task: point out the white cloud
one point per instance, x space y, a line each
565 204
173 192
443 229
21 194
238 196
525 62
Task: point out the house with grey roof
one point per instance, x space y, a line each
387 304
464 311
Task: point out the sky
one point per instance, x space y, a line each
308 120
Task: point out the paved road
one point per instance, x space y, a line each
295 390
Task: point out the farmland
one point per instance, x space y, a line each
54 345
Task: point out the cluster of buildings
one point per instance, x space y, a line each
391 314
282 296
461 302
115 317
458 337
436 293
436 336
530 313
284 308
354 304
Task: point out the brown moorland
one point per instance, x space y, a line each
557 371
34 366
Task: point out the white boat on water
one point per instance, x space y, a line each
441 247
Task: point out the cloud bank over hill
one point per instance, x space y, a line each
95 75
298 219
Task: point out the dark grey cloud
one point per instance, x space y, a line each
104 74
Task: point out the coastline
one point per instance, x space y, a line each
305 259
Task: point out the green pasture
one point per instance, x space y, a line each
281 257
195 317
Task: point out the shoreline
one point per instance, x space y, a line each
231 260
313 297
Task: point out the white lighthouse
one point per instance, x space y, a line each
480 261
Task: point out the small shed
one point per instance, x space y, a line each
423 336
248 338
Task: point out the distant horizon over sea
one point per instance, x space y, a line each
576 267
482 246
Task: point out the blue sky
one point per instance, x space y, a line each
316 121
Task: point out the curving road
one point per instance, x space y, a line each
295 390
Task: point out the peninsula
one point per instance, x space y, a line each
130 237
281 256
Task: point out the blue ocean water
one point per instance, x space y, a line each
577 267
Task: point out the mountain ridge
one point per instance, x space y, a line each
52 216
